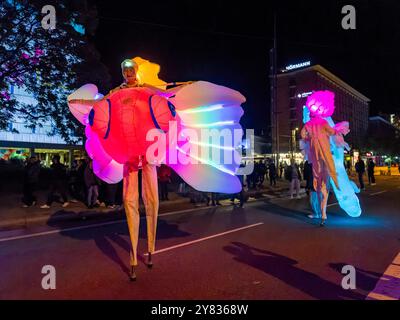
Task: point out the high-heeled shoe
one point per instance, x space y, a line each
322 224
132 274
149 261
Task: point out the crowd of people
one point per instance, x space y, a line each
79 183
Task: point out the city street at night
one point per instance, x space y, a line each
199 159
267 250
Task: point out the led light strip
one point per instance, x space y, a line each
221 168
202 109
208 125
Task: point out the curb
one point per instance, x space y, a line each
110 214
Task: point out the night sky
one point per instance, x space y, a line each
228 43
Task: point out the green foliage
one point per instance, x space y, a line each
49 64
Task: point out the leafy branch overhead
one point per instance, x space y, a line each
48 64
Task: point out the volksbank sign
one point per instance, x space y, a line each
298 65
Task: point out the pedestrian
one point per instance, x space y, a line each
239 195
111 192
281 169
360 169
164 176
371 174
80 180
308 176
261 175
72 181
272 173
92 185
58 183
214 199
31 179
294 177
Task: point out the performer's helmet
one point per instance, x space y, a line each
128 64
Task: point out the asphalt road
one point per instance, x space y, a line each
267 250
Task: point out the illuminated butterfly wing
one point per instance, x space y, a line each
210 153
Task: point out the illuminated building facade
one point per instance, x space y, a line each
39 141
295 84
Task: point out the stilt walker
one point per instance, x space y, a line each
323 146
118 127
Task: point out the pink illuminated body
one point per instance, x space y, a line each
317 132
128 118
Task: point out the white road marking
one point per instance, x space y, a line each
388 286
376 193
39 234
207 238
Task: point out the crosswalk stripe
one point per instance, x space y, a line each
388 286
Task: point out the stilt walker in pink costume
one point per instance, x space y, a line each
318 136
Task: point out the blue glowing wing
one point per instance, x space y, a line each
346 196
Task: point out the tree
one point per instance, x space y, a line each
47 63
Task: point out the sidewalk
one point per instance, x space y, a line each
13 216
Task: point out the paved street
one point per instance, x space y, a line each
267 250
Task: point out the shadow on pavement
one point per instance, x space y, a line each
284 269
106 239
276 209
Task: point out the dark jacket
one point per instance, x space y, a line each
371 166
32 171
272 169
90 177
360 166
58 172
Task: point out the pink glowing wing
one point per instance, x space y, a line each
86 92
211 163
106 168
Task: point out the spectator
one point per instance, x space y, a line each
262 170
72 181
92 185
80 180
360 169
111 192
239 195
281 169
272 173
371 176
308 177
58 183
31 178
214 199
294 176
164 176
